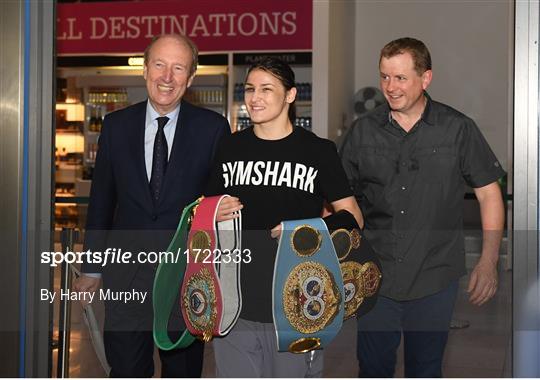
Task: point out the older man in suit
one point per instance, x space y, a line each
153 159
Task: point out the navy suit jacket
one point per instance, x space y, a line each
121 213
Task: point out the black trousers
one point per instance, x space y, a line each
129 343
130 354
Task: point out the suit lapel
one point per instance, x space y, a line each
138 153
180 148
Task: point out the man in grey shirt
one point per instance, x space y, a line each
408 162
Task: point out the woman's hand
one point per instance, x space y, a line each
227 209
276 231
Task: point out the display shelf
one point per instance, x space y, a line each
209 91
99 101
238 116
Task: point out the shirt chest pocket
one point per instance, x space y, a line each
436 164
377 164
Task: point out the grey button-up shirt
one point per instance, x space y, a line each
410 187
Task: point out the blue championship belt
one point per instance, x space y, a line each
360 266
308 296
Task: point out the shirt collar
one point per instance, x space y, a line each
152 114
429 116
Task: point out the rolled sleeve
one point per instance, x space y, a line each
479 166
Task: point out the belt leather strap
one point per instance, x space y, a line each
229 239
166 286
307 287
360 266
211 295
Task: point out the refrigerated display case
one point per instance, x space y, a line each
209 91
300 63
99 101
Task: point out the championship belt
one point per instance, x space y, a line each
211 297
360 267
308 289
166 286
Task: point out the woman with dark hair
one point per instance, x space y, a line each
273 172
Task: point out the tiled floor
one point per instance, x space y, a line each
481 350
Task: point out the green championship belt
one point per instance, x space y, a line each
167 284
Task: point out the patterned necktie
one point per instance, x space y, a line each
159 159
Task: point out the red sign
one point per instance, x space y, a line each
215 25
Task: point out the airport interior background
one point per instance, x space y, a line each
83 66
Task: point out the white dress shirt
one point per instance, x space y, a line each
150 131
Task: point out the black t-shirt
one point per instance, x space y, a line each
275 180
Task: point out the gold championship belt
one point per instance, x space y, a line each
360 266
307 287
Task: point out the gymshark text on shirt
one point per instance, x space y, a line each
269 173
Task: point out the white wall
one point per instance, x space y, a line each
319 91
333 65
341 66
471 47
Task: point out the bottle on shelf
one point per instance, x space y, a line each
304 122
99 120
92 121
92 151
303 91
238 92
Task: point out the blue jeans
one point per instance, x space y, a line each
424 322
